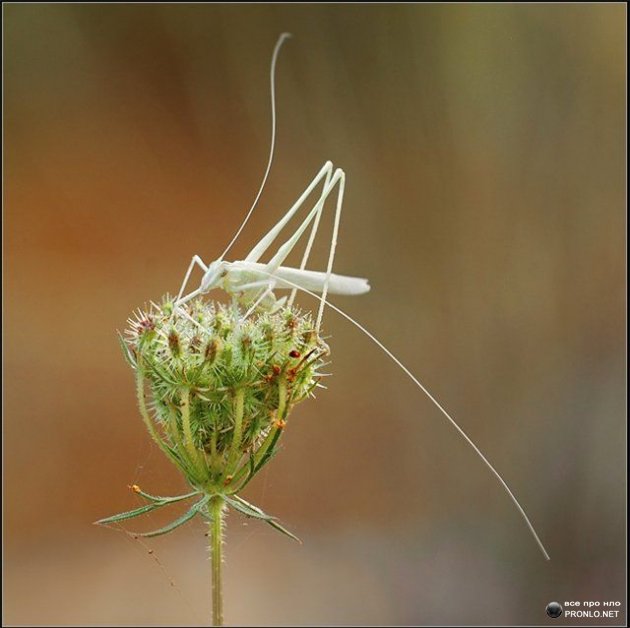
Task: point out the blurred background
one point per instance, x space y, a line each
484 147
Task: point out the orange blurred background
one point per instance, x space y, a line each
485 158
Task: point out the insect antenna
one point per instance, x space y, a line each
272 78
417 382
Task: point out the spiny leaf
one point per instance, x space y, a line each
126 351
129 514
270 451
164 500
269 454
280 528
250 474
157 502
187 516
247 509
238 503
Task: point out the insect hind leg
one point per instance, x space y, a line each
267 240
311 240
337 179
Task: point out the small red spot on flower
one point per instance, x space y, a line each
294 354
276 369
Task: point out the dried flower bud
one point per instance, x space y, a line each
173 343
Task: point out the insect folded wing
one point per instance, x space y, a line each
315 281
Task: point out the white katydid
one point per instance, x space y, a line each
254 282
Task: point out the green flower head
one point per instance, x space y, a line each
216 391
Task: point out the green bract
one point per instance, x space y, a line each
215 392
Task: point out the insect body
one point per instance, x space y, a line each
253 283
236 277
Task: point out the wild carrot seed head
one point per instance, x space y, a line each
219 389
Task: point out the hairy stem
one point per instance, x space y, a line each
215 508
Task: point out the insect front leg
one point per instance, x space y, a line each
196 260
250 292
265 293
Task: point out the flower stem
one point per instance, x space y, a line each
215 509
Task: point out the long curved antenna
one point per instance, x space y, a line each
414 379
272 76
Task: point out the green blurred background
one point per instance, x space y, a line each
484 147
